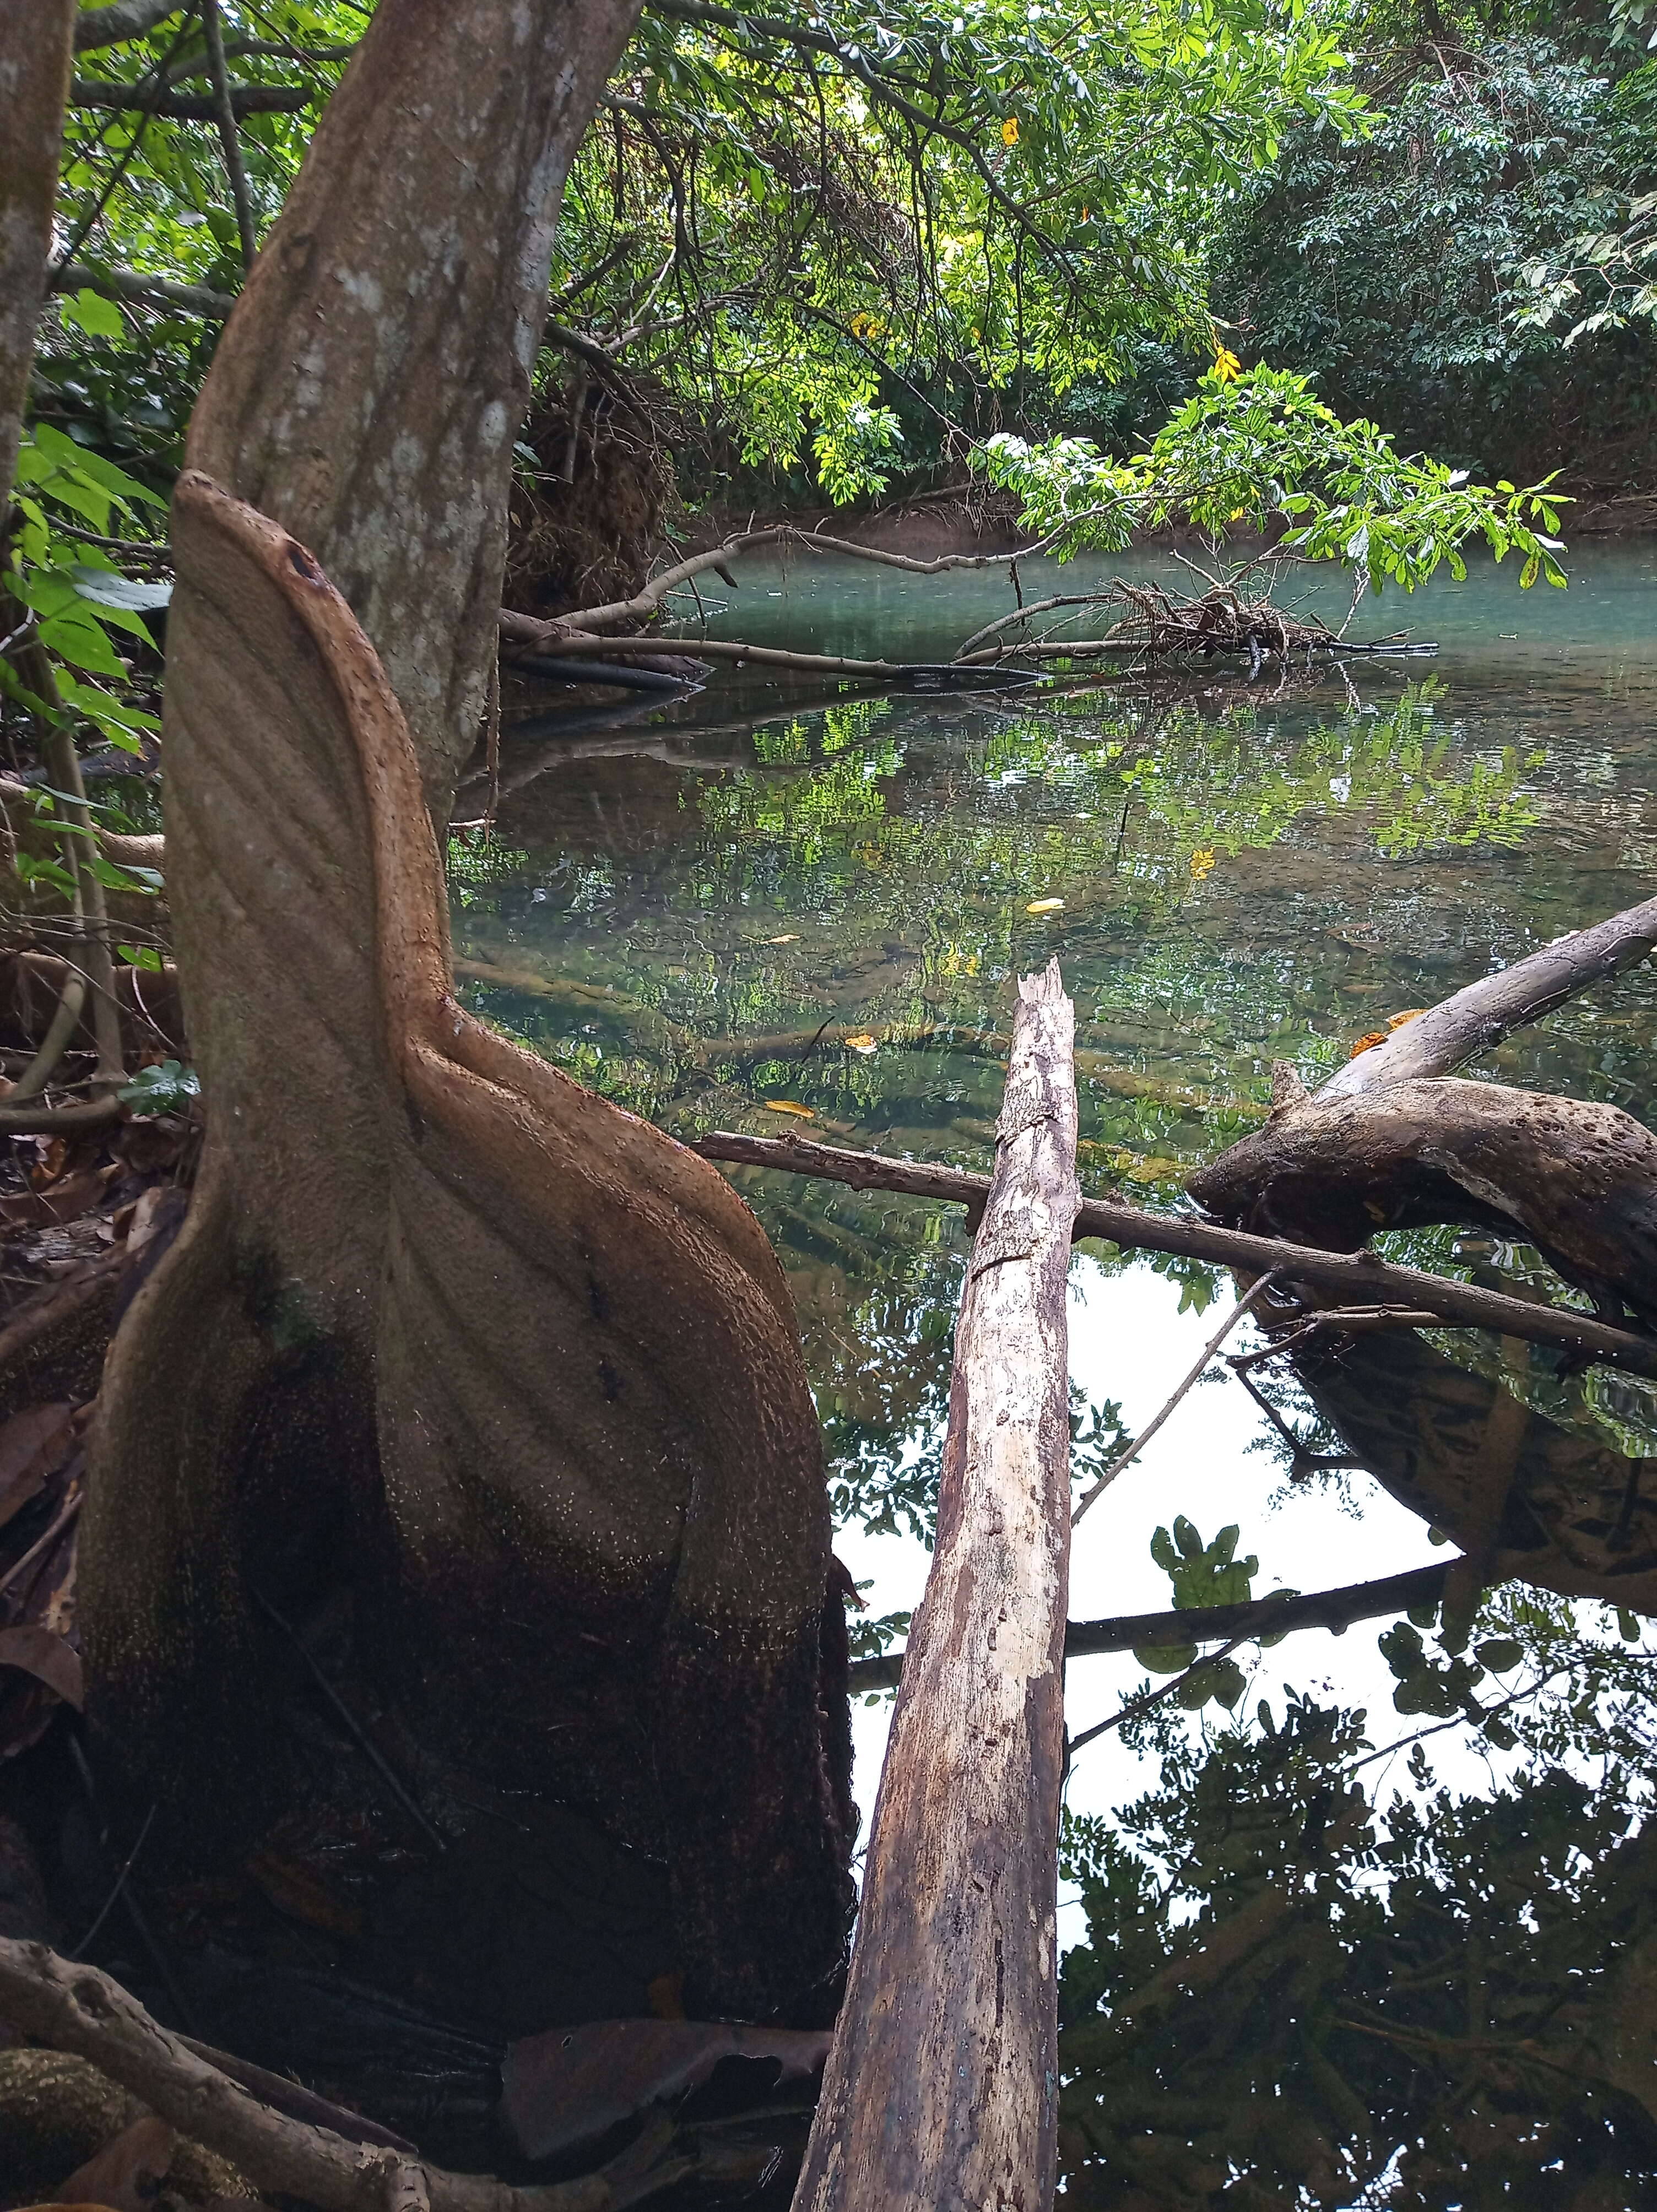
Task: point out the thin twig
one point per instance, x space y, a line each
1135 1706
229 136
492 742
1255 1291
16 1572
110 1902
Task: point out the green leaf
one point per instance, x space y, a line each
164 1090
90 312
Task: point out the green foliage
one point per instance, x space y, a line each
821 231
166 1088
73 588
1425 273
838 238
1259 448
1202 1575
1292 1996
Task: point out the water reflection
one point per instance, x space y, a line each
810 915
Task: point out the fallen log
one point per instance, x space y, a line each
1358 1277
1447 1035
1272 1615
1394 1139
941 2085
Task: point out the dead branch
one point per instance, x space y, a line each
1447 1035
1278 1615
939 2086
519 630
1392 1141
1365 1280
144 289
647 602
74 2007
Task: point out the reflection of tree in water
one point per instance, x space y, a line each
1242 881
1296 1994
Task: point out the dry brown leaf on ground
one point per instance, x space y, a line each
32 1444
125 2174
45 1655
572 2084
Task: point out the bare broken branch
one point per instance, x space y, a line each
1362 1278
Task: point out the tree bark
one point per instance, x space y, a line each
371 380
516 1369
36 43
941 2087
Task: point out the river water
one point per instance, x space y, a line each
770 907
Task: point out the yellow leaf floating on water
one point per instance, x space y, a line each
1202 863
1044 906
789 939
789 1106
864 1043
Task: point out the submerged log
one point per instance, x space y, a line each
941 2085
1579 1181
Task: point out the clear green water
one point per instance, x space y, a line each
682 901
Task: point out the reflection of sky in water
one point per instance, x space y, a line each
749 903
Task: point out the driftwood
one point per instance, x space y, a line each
1354 1277
1392 1140
941 2086
74 2007
1578 1181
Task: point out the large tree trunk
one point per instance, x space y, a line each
36 42
941 2087
513 1366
